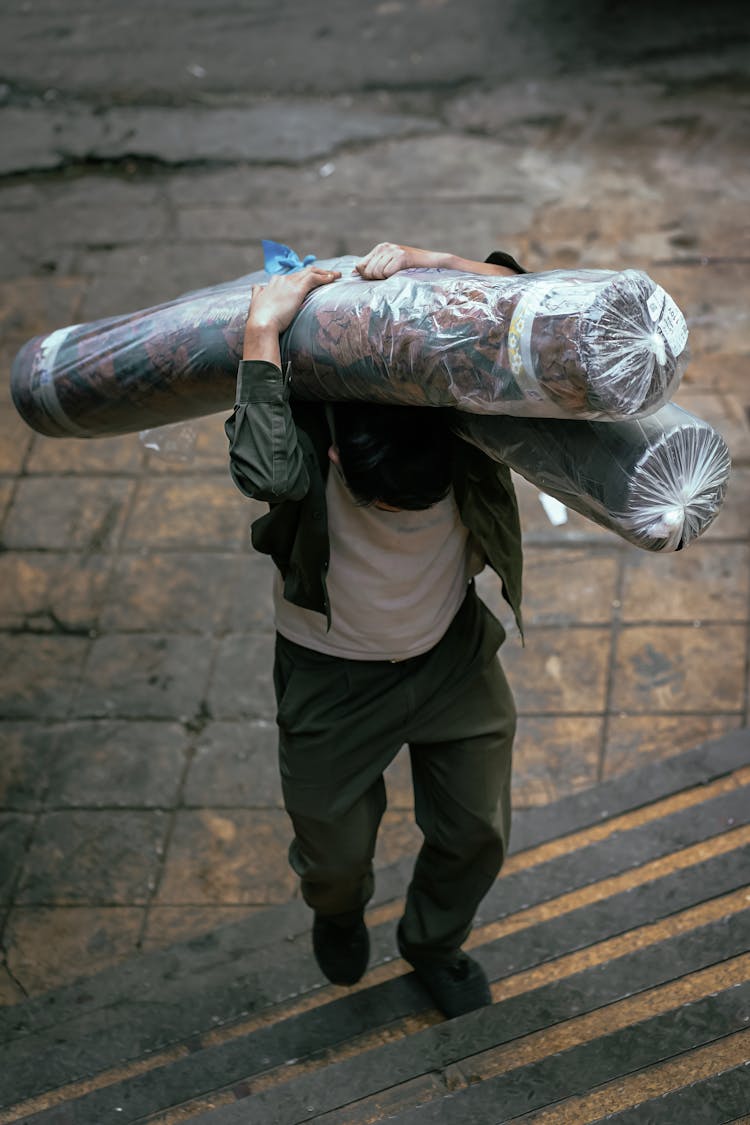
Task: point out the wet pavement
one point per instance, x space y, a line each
138 796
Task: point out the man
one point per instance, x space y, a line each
379 519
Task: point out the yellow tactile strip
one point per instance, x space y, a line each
557 969
651 1082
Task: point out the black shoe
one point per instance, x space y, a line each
342 951
457 987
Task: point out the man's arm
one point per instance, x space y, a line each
388 258
265 459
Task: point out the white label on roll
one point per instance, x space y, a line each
672 326
43 381
655 303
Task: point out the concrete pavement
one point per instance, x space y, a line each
138 797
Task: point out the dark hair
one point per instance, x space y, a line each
400 455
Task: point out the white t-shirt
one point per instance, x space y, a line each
395 580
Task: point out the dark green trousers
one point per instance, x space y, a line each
341 722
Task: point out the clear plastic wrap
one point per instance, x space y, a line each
174 442
657 482
144 370
565 344
562 344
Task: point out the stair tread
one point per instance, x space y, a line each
636 875
522 1088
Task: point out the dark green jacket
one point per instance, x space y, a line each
278 450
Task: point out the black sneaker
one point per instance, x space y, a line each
342 951
457 987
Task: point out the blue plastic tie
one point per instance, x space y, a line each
278 258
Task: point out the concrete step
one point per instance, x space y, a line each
616 943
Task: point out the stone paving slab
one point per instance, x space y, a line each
188 513
111 764
556 755
676 668
15 832
116 858
28 750
234 764
144 676
55 512
46 945
566 586
116 456
40 674
49 591
702 583
560 670
228 855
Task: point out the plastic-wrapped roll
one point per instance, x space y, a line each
583 344
658 482
562 344
160 365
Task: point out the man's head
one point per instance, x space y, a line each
393 456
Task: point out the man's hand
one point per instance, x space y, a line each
274 306
388 258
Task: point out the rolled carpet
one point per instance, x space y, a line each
658 482
591 344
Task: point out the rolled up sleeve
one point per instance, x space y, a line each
265 459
